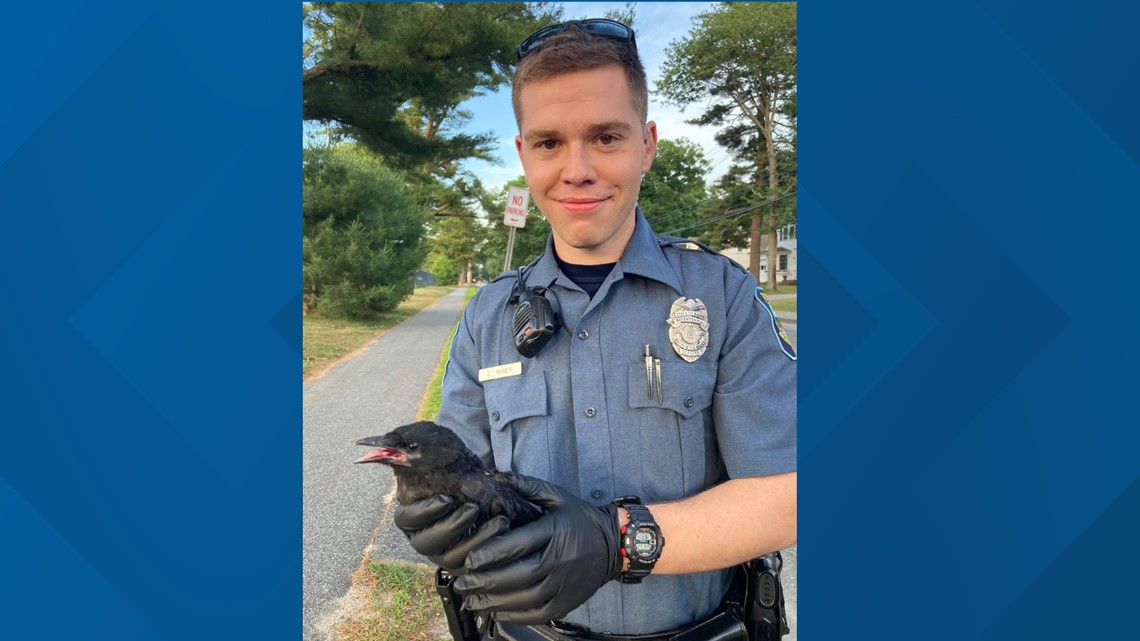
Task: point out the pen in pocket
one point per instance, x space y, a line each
657 372
648 371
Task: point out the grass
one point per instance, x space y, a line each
403 605
430 406
787 305
780 289
329 339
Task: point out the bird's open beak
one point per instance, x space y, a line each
389 455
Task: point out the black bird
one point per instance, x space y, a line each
430 459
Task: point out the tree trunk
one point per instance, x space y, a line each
773 260
754 243
773 192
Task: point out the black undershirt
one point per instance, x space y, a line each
588 277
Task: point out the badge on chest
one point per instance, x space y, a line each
688 328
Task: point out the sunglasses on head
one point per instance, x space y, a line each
597 26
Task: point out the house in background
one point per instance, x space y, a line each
785 255
424 279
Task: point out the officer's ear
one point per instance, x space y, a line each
649 139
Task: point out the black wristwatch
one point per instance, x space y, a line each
641 540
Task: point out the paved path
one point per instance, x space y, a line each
370 394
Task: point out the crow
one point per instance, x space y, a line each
430 459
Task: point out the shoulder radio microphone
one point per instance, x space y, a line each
535 321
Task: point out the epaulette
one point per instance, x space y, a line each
679 243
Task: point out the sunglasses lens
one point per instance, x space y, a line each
598 27
537 38
609 29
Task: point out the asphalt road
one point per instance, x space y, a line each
345 506
372 393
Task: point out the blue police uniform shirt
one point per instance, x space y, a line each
582 414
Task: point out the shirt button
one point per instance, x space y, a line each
688 401
596 494
590 412
583 334
494 416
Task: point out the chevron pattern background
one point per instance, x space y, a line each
969 445
970 450
150 465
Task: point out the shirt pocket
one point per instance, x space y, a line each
674 430
517 409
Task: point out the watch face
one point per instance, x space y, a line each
645 542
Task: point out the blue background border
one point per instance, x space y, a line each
969 449
150 470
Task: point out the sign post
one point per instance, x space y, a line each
518 200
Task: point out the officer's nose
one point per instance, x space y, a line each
579 167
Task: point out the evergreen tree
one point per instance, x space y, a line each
362 230
389 74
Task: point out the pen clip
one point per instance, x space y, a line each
657 372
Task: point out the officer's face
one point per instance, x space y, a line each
584 148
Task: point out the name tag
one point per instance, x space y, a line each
500 371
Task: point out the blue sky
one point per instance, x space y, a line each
656 25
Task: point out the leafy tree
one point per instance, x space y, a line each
362 231
740 61
391 74
731 193
625 15
455 239
674 188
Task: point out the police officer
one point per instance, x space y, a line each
656 426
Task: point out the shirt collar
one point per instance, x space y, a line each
643 256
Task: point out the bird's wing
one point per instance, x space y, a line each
476 488
510 503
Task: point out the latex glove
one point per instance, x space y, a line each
548 567
444 532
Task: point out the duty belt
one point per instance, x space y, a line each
723 625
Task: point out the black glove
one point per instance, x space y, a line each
443 532
548 567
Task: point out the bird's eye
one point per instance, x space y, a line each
412 447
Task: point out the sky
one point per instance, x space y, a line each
656 24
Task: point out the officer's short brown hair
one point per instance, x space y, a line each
576 50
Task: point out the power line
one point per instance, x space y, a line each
731 214
732 193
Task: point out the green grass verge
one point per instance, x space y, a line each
403 605
780 289
328 339
430 406
787 305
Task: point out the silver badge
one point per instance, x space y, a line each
689 328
